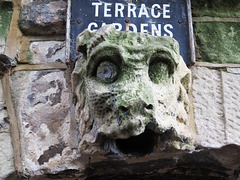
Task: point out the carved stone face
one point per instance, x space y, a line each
132 93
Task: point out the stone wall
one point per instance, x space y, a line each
36 91
6 149
35 112
216 74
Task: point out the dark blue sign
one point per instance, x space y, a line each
156 17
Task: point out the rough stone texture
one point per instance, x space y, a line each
233 70
46 51
6 150
42 108
4 121
208 164
216 8
218 42
131 89
25 2
208 107
43 17
216 106
231 92
5 18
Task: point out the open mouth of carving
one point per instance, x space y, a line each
140 145
146 143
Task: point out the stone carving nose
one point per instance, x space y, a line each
149 107
125 110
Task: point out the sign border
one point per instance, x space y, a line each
190 25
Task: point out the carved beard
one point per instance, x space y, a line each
131 90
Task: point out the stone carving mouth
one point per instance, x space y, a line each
146 143
140 145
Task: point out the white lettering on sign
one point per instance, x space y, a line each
166 28
119 9
118 26
154 7
131 10
131 26
143 28
156 11
107 9
156 29
96 8
165 11
91 26
143 11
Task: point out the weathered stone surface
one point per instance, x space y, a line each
218 42
6 155
216 8
5 18
233 70
231 98
131 89
6 150
42 108
25 2
4 120
216 106
43 17
47 51
209 164
208 107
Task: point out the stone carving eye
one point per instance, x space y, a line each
158 71
107 72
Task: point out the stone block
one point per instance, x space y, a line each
6 156
231 94
43 17
25 2
45 52
6 150
233 70
216 8
42 108
2 101
5 19
218 42
208 107
216 106
4 119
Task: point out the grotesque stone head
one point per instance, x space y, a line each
132 93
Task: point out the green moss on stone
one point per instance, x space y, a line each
216 8
5 18
30 56
218 42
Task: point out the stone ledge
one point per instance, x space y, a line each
216 66
206 164
215 19
39 67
